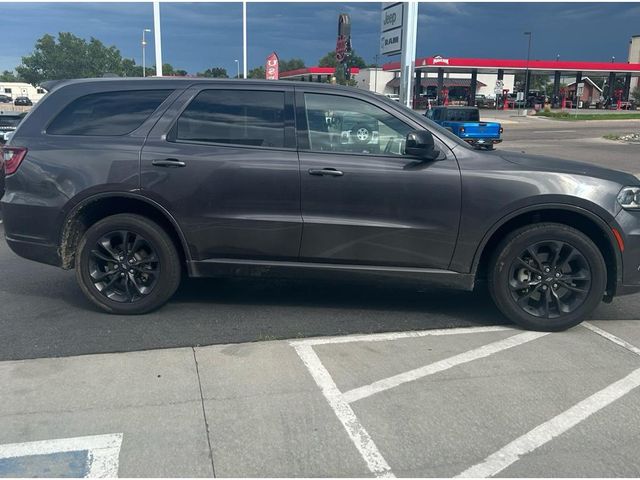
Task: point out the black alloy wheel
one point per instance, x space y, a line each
547 276
550 279
127 264
124 266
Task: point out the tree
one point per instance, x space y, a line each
635 94
68 57
214 72
293 64
258 72
9 76
329 60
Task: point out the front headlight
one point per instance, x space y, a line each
629 198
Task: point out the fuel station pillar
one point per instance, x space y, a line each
471 101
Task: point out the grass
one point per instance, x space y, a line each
588 116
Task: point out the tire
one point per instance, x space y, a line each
361 134
121 283
547 300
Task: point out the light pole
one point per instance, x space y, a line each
375 89
238 68
144 46
526 75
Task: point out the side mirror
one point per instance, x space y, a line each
420 144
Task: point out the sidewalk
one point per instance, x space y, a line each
427 403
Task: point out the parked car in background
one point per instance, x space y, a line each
465 123
393 96
22 102
136 182
482 101
8 123
5 99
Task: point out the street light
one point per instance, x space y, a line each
526 77
557 57
613 59
375 89
144 45
238 68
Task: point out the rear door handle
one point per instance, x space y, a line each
169 162
332 172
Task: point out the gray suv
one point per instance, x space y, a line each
136 182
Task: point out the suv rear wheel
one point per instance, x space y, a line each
127 264
547 276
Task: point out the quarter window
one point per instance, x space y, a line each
349 125
235 117
107 113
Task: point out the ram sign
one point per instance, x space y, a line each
391 42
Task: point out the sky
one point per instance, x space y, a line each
197 36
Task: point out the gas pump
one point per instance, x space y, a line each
563 95
505 99
618 94
445 96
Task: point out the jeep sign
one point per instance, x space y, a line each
391 18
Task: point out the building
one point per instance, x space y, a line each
634 57
313 74
591 93
21 89
375 80
498 69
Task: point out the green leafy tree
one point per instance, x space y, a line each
9 76
329 60
258 72
635 94
293 64
69 57
214 72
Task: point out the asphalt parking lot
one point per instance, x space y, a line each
248 377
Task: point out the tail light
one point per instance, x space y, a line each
461 129
12 158
501 129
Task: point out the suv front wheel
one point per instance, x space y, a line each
547 276
127 264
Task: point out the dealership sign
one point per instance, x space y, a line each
391 42
391 17
272 67
391 23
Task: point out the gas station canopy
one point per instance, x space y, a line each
490 65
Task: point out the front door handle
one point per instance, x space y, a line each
169 162
332 172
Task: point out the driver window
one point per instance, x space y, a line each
348 125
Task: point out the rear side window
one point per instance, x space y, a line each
235 117
107 113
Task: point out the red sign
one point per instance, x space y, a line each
272 67
341 48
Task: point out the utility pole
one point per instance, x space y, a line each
375 88
157 37
244 39
526 75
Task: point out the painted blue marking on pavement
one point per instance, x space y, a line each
58 465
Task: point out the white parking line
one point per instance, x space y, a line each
611 337
359 436
546 432
103 451
440 366
383 337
